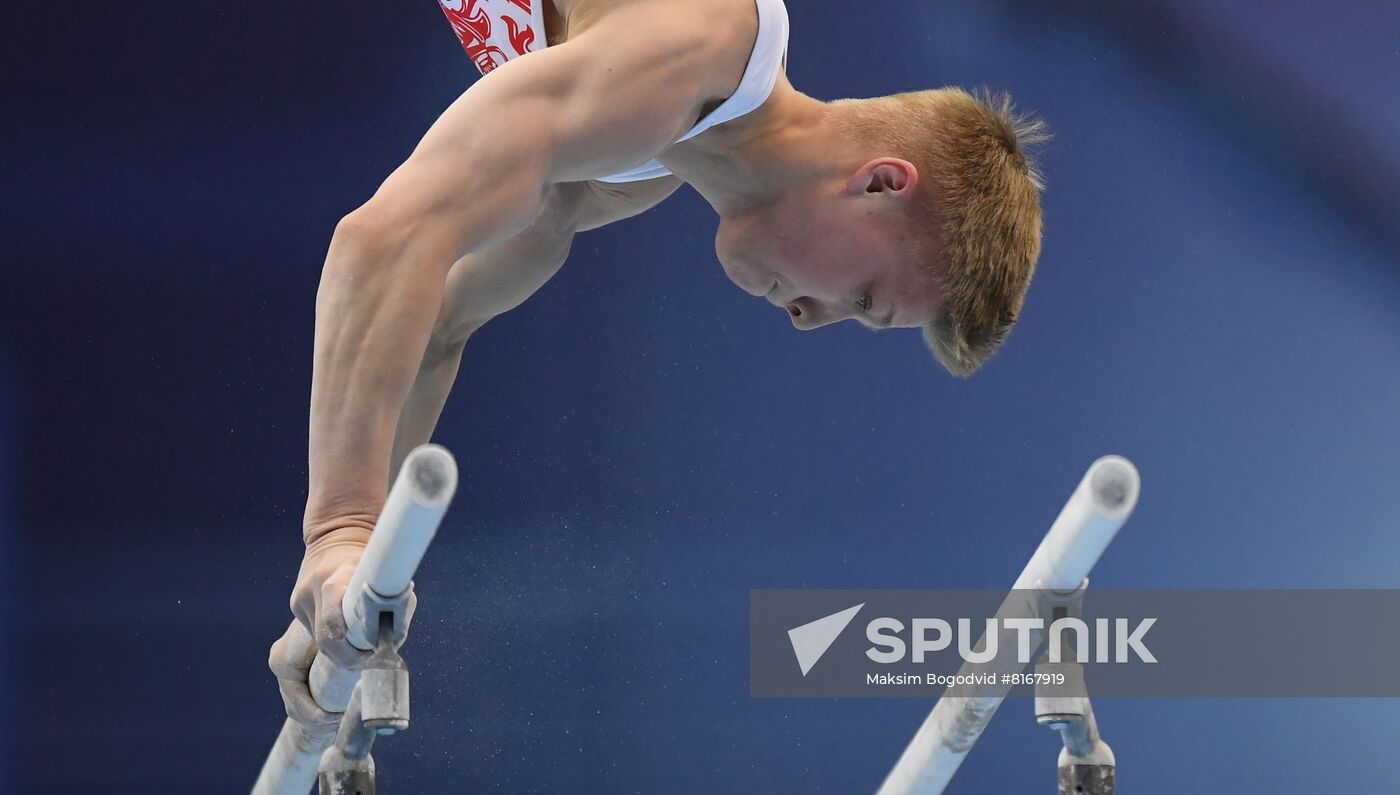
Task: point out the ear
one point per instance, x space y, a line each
888 175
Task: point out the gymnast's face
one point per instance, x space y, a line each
836 252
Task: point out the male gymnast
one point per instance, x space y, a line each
918 210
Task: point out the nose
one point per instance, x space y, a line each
807 314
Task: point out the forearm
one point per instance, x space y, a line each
381 291
374 314
425 401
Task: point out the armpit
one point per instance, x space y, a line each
605 202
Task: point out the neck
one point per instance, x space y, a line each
791 140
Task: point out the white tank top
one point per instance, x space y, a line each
494 32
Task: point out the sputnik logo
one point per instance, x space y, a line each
811 640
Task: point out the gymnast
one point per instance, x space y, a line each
916 210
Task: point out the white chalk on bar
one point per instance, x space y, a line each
291 766
410 518
1089 521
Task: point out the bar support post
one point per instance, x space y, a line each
1097 509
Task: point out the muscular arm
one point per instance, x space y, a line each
480 286
597 104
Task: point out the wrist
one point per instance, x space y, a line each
353 529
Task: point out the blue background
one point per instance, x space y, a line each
642 443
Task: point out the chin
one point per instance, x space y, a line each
743 257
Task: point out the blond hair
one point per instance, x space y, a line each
982 206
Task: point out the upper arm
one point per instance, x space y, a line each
629 86
604 101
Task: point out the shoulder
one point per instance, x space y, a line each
711 38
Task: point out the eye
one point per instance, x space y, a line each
865 302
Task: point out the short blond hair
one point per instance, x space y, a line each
982 205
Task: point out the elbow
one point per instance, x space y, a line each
354 226
365 260
374 220
363 236
372 249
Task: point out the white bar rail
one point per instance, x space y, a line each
1089 521
410 518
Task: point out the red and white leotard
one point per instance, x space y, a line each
494 32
